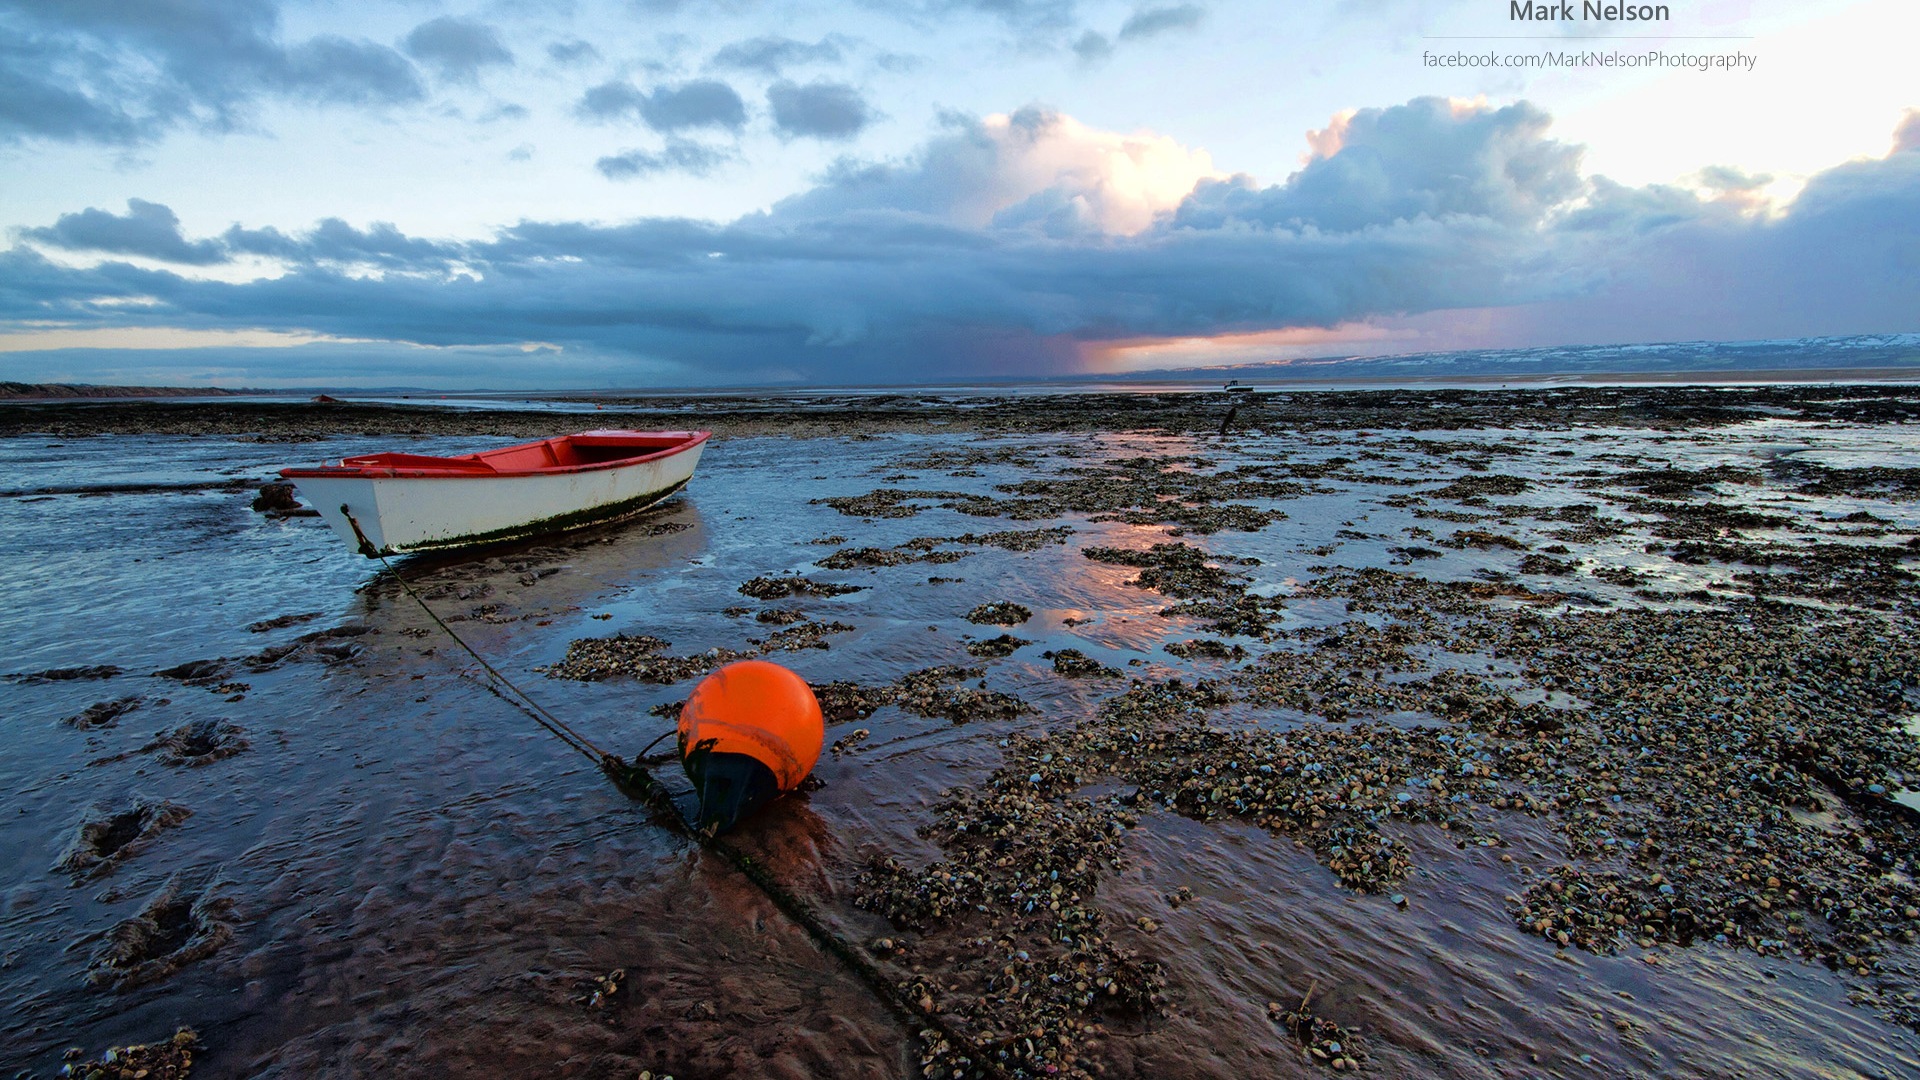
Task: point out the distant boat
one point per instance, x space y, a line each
415 502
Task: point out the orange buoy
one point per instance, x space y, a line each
750 733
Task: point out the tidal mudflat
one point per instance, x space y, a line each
1407 733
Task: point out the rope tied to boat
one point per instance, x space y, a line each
637 782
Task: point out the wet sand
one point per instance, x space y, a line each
1413 733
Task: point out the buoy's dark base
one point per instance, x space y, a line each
730 787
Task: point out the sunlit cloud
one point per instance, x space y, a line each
1033 169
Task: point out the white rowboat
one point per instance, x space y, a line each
414 502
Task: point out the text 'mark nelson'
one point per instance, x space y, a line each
1589 11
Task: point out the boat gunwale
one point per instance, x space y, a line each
417 472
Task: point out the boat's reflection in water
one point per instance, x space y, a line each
569 567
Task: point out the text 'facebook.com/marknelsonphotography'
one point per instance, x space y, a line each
1552 59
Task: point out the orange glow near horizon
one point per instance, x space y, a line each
1288 343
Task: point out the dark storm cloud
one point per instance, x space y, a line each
112 72
774 54
931 267
819 110
679 155
147 229
457 48
1838 261
695 104
888 297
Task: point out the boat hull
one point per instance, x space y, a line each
400 514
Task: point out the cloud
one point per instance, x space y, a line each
125 73
328 363
36 102
1092 47
1151 22
1428 158
679 155
1008 169
1907 136
615 99
1021 244
342 71
1837 260
572 51
457 48
818 110
335 243
1019 14
773 54
505 110
700 103
1736 188
695 104
148 229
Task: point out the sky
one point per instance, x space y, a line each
548 194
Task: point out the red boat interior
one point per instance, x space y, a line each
567 452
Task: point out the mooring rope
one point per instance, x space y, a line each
526 703
637 781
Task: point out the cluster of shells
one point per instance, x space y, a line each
1323 1040
1678 752
168 1060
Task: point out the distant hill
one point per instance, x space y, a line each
17 391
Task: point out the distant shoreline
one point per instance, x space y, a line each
19 391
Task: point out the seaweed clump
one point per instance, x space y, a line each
174 929
104 714
772 588
996 647
107 838
201 742
1000 613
